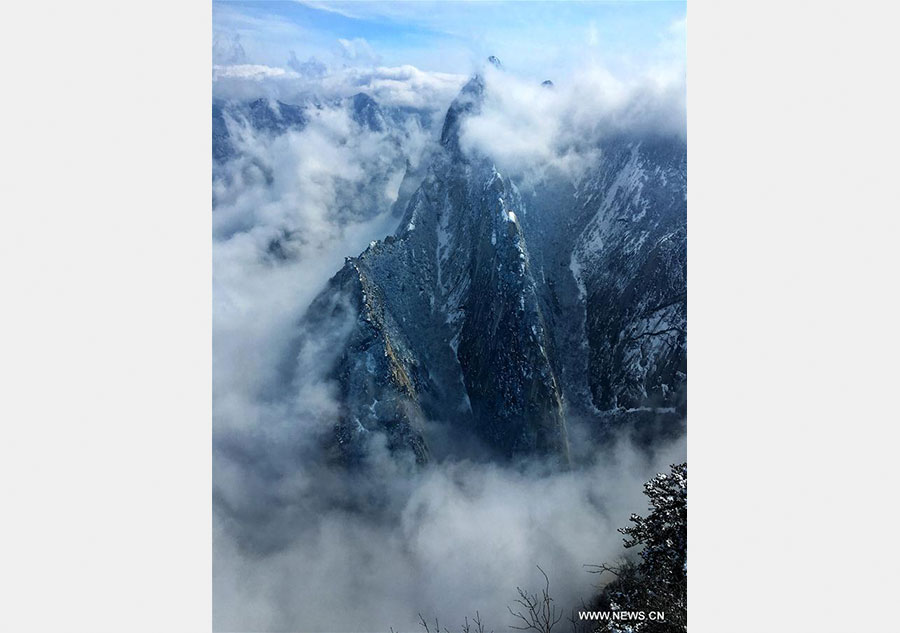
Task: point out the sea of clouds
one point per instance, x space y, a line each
299 545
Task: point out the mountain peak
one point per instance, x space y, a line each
467 102
494 61
366 111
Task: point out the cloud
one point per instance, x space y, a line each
359 51
312 67
403 86
332 7
528 129
286 212
400 86
253 72
447 541
298 544
227 49
678 27
593 36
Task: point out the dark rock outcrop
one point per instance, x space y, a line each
506 316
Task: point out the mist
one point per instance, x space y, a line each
299 544
451 540
537 131
401 86
286 212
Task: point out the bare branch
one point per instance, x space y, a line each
479 625
538 614
599 569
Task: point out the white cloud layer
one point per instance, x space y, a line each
528 128
253 72
287 211
299 545
404 86
460 538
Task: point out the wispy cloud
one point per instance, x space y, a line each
340 8
359 51
389 85
533 38
292 550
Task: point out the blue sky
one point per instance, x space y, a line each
543 39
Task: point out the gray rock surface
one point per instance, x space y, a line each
503 317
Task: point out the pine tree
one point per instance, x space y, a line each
659 581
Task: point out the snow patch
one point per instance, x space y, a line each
575 267
443 241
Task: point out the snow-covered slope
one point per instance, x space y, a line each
503 316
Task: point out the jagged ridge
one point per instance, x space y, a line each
463 320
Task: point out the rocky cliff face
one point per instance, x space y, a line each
612 250
506 316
